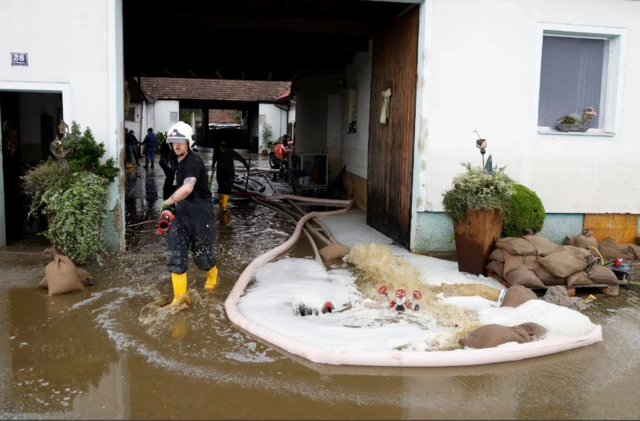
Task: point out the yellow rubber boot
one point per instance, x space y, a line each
224 202
179 281
212 278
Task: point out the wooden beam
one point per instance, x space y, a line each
192 21
244 76
169 73
270 76
219 75
193 74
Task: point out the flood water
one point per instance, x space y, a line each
91 354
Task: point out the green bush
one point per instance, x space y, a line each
523 211
78 216
87 154
475 189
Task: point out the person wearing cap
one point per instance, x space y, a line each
194 225
225 173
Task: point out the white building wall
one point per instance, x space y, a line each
311 113
355 146
162 110
481 69
274 116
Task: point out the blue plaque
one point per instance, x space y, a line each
19 59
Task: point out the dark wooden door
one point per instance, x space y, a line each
390 169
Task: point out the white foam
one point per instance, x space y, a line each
282 286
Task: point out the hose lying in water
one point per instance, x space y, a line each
379 358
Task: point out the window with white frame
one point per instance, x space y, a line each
173 117
579 70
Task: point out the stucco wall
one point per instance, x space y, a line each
355 146
276 117
162 114
481 67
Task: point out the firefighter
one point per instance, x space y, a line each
194 225
224 157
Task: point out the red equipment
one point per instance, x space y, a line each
401 303
166 217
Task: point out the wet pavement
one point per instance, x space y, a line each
102 354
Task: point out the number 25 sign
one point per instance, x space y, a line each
19 59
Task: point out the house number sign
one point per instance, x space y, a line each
19 59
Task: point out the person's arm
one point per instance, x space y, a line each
214 159
240 158
182 193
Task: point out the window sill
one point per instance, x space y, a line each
590 132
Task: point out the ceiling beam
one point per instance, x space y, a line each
193 74
219 75
233 23
169 73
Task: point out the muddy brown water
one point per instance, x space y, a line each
87 355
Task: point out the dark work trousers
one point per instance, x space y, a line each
225 181
194 228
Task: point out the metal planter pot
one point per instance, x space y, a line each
475 236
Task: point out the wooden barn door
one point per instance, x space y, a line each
390 169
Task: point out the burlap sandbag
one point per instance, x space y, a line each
579 278
496 267
333 252
585 241
524 277
514 262
61 275
547 278
543 246
610 249
534 330
517 295
580 252
492 335
565 262
634 249
568 241
602 275
516 246
85 278
497 254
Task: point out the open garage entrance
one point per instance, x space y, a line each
29 122
338 55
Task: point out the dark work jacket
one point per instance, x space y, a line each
225 160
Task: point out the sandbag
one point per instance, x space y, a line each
496 267
525 277
514 262
516 246
85 278
602 275
543 246
517 295
565 262
635 250
61 276
547 278
497 254
568 241
492 335
579 278
610 249
580 252
585 241
333 252
534 330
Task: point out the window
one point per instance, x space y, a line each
131 113
580 67
173 117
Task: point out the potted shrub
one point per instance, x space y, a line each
475 204
71 192
576 122
523 213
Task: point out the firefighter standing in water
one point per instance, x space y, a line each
224 157
194 225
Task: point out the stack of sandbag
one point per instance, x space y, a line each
534 261
62 276
609 248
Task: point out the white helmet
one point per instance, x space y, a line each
180 132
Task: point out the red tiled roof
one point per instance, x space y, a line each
214 89
222 116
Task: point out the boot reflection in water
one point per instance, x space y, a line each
180 328
224 217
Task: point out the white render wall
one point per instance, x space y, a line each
481 66
161 111
276 117
355 146
67 43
